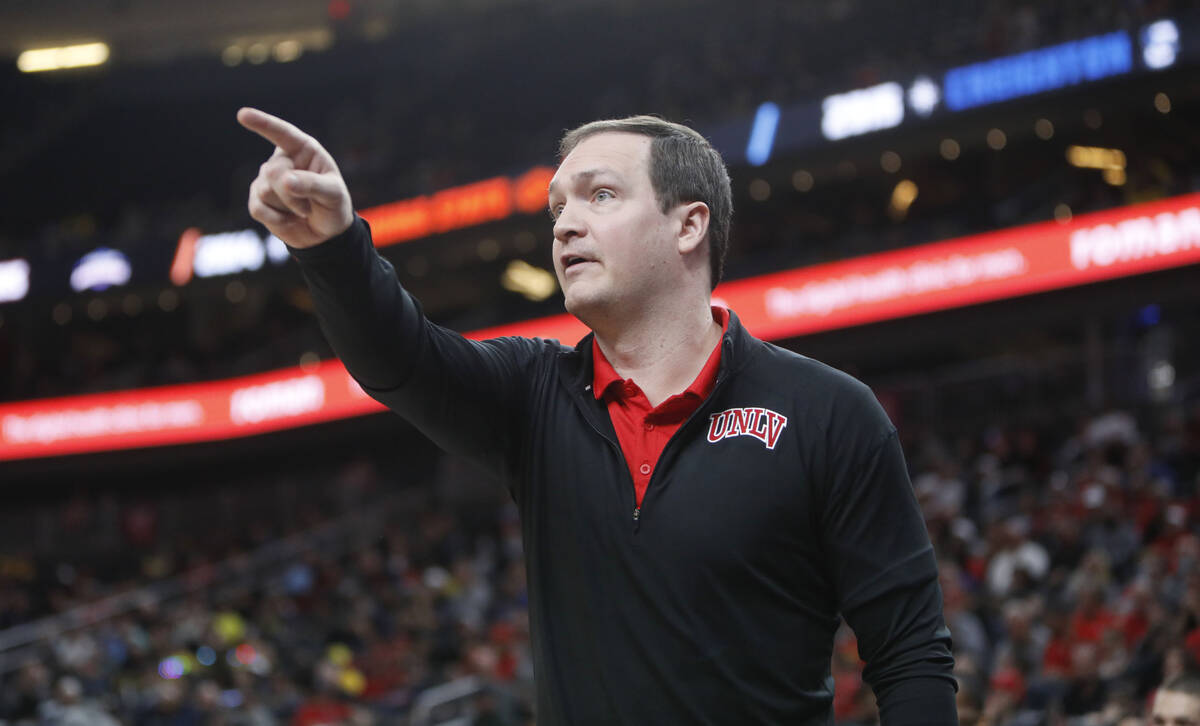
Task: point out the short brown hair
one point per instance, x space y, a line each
1187 682
684 168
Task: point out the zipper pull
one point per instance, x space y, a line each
637 515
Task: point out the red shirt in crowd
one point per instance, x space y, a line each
321 711
1089 627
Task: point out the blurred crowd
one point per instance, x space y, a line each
356 625
1068 562
1069 559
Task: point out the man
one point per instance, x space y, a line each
1177 702
697 506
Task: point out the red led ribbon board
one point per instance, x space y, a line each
459 207
182 414
968 270
938 276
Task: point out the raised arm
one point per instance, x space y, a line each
470 397
299 193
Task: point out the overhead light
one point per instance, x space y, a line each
949 149
277 250
1093 157
233 55
525 242
258 53
62 313
131 305
1161 377
288 50
861 111
282 47
903 195
924 95
762 134
235 291
890 162
1115 177
760 190
14 279
1160 44
227 253
100 269
533 282
97 309
168 300
67 56
802 180
309 361
1111 162
488 249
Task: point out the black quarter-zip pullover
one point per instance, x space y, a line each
781 503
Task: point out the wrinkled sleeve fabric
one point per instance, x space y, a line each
467 396
883 566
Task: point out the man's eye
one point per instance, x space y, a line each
555 211
603 195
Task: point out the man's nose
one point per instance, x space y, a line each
567 224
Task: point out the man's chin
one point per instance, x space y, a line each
583 305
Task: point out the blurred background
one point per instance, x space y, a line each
985 209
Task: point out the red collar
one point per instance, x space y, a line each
606 379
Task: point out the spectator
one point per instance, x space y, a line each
1177 702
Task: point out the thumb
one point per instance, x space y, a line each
328 190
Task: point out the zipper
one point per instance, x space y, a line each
637 510
701 409
722 376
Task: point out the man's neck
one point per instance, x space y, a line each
662 353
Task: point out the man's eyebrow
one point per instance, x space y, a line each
587 175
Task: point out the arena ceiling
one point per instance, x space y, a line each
150 31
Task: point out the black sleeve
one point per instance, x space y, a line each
468 396
883 566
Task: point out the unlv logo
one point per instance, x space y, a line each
761 423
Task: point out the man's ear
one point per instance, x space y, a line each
693 227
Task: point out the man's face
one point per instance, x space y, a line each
1172 708
612 243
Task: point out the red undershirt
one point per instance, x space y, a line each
643 430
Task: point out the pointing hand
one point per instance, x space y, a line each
299 194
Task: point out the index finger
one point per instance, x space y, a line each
274 129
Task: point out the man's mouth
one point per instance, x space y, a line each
573 260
